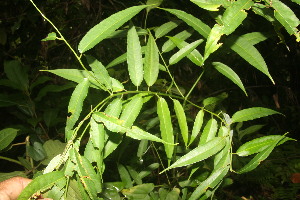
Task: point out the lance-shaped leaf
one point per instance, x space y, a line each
286 16
169 44
255 37
75 105
209 131
134 57
197 126
211 5
87 176
42 183
184 52
17 74
252 113
166 127
139 134
114 108
100 72
132 110
230 74
97 134
200 153
259 157
166 28
125 176
215 177
194 56
7 135
153 4
250 54
117 85
181 121
106 27
111 123
151 65
192 21
259 144
235 15
212 41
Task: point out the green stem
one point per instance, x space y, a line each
192 88
11 160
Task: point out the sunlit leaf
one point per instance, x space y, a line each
211 5
100 72
209 131
255 37
200 153
50 36
75 105
134 57
230 74
252 113
184 52
260 144
107 27
41 183
139 134
169 45
132 110
166 28
212 41
153 4
235 15
192 21
111 123
197 126
151 65
166 127
181 121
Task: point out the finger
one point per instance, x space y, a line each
13 187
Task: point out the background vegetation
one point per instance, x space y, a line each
35 111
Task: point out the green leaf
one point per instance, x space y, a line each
100 73
166 128
197 126
249 130
200 153
42 183
139 191
230 74
134 57
212 41
285 16
192 21
194 56
114 108
139 134
7 135
52 88
260 144
97 134
252 113
106 27
52 148
111 123
132 110
215 177
211 5
75 105
87 176
209 131
184 52
135 175
117 85
50 36
250 54
142 149
36 152
259 158
255 37
235 15
153 4
166 28
148 170
17 74
181 121
125 176
174 194
169 44
123 33
151 65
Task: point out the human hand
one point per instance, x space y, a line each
11 188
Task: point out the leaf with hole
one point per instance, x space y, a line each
75 105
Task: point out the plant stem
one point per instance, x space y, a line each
192 88
11 160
